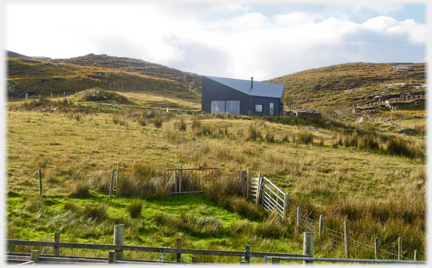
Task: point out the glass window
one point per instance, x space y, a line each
258 108
271 108
218 107
233 107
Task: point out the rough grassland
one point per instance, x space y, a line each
382 195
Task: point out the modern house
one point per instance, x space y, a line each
246 97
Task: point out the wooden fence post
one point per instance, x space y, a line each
285 207
247 253
40 182
194 259
180 178
243 182
275 260
111 257
416 255
119 240
111 184
308 246
175 183
321 225
57 240
298 218
346 239
377 251
258 192
247 183
399 248
179 246
118 180
34 255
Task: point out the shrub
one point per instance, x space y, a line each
135 208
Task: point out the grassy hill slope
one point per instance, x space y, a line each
134 66
27 75
349 84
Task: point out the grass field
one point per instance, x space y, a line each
380 193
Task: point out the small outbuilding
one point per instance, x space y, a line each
246 97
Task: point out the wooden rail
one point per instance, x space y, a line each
147 249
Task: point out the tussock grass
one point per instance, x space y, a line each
95 212
400 147
80 189
244 208
34 204
272 227
98 94
253 132
191 224
135 208
157 121
304 137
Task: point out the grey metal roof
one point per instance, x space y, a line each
261 89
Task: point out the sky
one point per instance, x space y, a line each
234 39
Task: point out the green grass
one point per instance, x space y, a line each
192 217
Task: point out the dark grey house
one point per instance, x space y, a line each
246 97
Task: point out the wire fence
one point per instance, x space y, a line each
338 238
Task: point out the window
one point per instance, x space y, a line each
271 108
233 107
258 108
218 107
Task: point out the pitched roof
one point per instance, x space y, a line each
261 89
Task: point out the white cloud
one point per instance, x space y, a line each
243 45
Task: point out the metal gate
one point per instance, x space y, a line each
190 180
273 198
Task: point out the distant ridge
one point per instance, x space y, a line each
11 54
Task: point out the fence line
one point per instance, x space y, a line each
118 248
271 201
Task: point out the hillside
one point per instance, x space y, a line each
134 66
347 85
35 76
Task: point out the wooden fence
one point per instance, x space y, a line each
117 249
